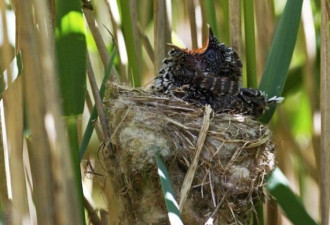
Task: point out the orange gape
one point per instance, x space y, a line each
193 51
209 75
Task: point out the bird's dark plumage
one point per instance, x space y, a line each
209 75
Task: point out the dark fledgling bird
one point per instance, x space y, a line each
210 75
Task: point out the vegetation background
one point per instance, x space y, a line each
48 107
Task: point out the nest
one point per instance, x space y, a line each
233 155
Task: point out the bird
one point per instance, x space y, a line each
210 75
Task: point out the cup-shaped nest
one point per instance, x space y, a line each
235 158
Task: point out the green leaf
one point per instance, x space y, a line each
129 41
71 56
259 218
278 187
211 18
168 192
251 65
279 58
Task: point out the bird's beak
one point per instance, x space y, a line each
211 35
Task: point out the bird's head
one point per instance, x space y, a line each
213 58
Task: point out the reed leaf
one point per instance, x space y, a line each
211 16
277 185
250 46
279 58
168 192
133 57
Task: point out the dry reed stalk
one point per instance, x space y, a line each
6 52
309 37
325 112
235 26
105 57
161 33
92 213
192 21
119 38
39 150
4 200
136 36
204 24
264 16
4 62
146 43
13 107
98 101
49 154
189 177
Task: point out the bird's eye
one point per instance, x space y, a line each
210 55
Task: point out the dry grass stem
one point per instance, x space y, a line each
98 100
160 33
105 57
14 125
235 26
188 179
6 51
92 213
146 43
325 113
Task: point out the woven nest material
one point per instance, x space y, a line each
236 155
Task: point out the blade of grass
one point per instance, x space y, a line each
250 47
211 16
93 116
278 187
133 61
259 218
279 58
136 38
168 191
223 23
205 26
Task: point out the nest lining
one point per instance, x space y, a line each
236 156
